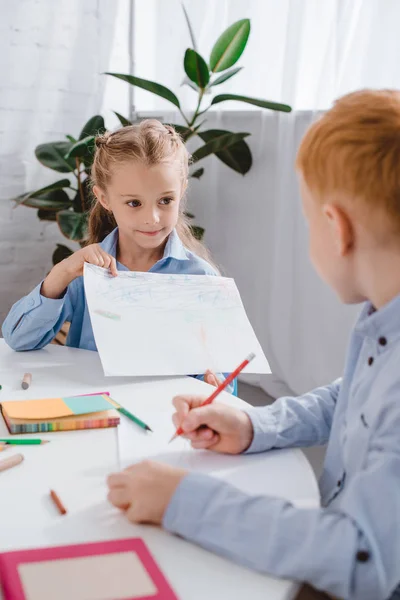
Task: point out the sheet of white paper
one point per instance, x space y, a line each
159 324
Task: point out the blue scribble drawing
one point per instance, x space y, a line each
165 292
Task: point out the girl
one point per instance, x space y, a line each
139 177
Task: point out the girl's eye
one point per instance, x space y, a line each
134 203
166 201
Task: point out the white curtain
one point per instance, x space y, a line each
304 53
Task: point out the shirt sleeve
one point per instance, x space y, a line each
289 421
350 551
221 376
35 320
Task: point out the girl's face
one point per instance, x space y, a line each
144 201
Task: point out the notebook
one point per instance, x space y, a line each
59 414
118 569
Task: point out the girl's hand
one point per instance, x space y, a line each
70 268
144 490
211 378
215 426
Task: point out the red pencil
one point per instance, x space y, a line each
219 389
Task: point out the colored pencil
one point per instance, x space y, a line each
23 442
26 381
219 389
130 416
13 461
58 503
96 394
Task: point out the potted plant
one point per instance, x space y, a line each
68 202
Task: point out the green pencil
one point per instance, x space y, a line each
130 416
22 442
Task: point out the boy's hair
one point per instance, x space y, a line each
354 150
152 143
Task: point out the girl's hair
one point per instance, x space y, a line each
152 143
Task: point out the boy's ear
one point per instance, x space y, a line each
101 197
341 228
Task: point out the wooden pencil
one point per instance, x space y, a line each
12 461
58 503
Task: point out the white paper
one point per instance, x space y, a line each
161 324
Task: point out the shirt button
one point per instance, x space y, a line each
362 556
382 341
370 360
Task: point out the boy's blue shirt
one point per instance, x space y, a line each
35 320
350 546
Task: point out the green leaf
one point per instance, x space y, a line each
83 148
237 157
71 138
196 68
150 86
57 185
181 129
52 155
254 101
186 132
197 174
47 215
190 28
189 215
230 45
60 253
123 120
95 126
217 144
54 200
198 232
73 225
226 76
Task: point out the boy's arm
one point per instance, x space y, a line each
35 320
351 551
290 421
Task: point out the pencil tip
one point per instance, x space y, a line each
149 428
45 442
172 439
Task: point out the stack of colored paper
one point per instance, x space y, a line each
59 414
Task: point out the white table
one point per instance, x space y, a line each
75 464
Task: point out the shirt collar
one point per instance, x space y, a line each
174 247
384 322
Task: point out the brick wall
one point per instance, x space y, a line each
52 54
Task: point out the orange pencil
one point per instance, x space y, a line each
58 503
220 388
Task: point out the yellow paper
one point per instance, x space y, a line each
48 408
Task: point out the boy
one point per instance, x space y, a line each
349 166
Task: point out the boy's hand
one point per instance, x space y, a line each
144 490
70 268
216 426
